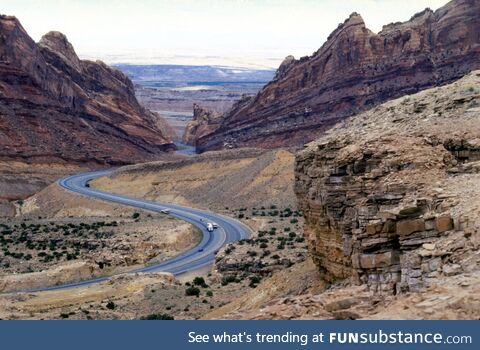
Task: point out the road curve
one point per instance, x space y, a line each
229 230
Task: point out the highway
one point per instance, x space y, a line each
229 229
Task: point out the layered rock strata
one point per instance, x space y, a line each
384 196
55 107
354 71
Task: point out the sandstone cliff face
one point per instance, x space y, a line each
204 123
391 197
353 71
55 107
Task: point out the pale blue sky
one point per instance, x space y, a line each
242 32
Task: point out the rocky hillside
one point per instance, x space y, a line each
57 108
354 71
391 197
214 180
204 122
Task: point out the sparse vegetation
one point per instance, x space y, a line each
157 317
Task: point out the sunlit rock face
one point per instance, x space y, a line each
354 71
55 107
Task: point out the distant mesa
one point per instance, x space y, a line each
354 71
55 107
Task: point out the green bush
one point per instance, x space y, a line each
136 215
209 293
199 281
192 291
228 279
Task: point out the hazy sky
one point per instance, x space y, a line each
243 31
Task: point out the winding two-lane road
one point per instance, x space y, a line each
229 230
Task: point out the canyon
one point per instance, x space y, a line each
390 200
375 217
57 108
59 114
355 70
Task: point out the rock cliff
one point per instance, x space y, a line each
204 123
354 71
55 107
391 197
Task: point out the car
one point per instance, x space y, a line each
200 250
165 211
209 227
215 225
87 185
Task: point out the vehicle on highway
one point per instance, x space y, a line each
215 225
165 211
191 260
209 227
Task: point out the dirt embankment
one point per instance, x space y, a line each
234 178
20 180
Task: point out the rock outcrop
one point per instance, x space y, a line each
354 71
55 107
390 196
204 123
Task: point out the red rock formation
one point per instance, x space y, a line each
353 71
204 122
56 107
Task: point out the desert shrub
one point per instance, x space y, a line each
157 317
228 279
293 221
136 215
200 281
209 293
254 281
192 291
110 305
